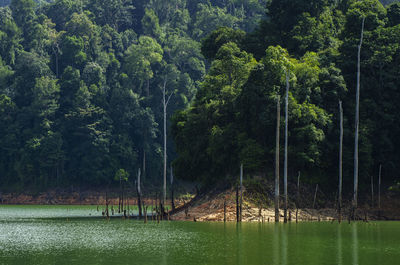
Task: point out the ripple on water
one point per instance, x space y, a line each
26 236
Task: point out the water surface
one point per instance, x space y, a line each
78 235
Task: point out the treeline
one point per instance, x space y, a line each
82 82
233 116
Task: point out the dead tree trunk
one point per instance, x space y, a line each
122 198
379 190
298 196
172 191
315 196
144 164
120 193
139 194
145 212
237 204
107 213
127 204
241 191
224 210
286 147
340 163
165 105
357 123
165 143
278 121
372 191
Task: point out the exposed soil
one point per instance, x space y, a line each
210 207
71 198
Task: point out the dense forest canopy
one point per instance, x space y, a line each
81 88
81 83
232 118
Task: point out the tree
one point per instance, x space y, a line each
23 11
139 60
217 38
115 13
169 75
286 143
211 15
278 119
10 36
357 121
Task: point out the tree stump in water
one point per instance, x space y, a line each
237 205
145 213
186 212
224 210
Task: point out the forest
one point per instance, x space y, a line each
88 88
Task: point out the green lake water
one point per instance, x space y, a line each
78 235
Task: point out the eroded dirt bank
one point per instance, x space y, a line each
210 207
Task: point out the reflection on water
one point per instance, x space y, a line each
339 245
284 246
276 244
355 243
25 238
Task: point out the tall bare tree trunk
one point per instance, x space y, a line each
172 191
298 196
122 198
340 163
165 105
372 191
224 210
144 164
278 122
120 195
241 191
379 190
357 123
286 147
139 193
107 212
315 196
237 205
165 149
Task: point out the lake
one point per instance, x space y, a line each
78 235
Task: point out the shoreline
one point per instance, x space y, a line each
206 208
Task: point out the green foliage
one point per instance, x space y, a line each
214 41
81 87
121 174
